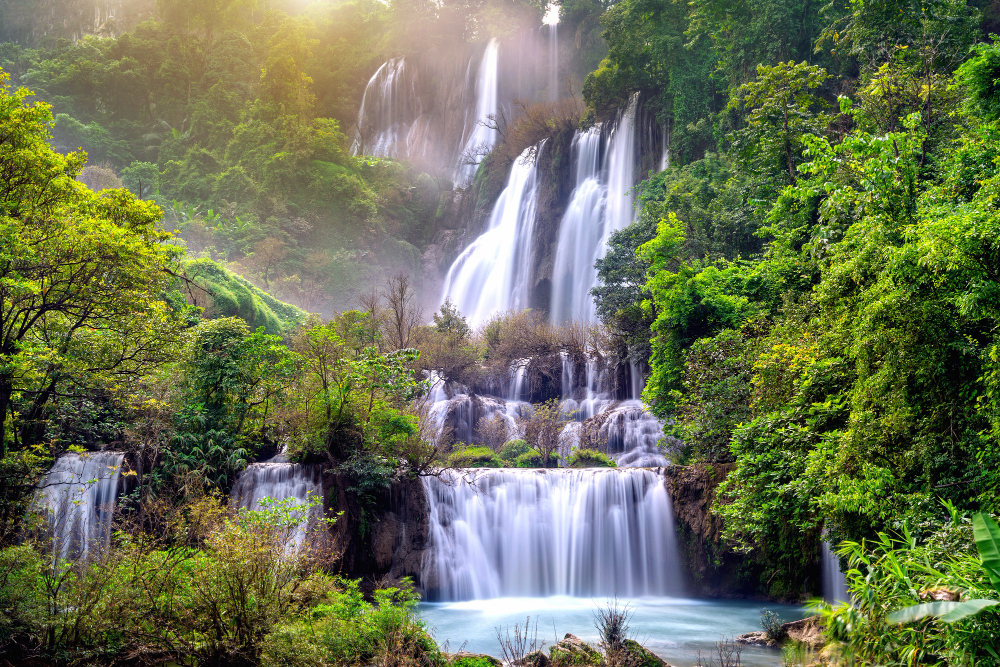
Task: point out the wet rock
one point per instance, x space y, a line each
571 650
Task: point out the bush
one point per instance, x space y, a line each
534 459
351 631
475 457
589 458
513 449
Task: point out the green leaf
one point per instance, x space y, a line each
949 612
987 535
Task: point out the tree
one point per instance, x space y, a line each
781 106
141 178
542 428
81 276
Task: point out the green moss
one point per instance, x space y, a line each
513 449
534 459
475 457
589 458
231 295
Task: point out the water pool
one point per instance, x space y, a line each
676 629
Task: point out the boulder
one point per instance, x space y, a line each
536 659
758 638
640 656
571 650
808 631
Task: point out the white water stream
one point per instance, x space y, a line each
77 500
523 532
493 274
278 481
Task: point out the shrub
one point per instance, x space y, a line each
534 459
514 448
589 458
475 457
348 630
771 624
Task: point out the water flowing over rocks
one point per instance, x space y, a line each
525 532
77 500
279 480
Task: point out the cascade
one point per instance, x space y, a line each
385 111
834 582
589 532
493 274
578 244
554 59
600 205
621 174
77 497
479 138
279 481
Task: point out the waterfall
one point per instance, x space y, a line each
480 138
279 481
579 242
554 60
493 274
601 204
77 497
385 111
834 582
621 174
590 532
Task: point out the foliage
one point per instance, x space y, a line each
475 457
589 458
535 459
81 278
513 449
887 573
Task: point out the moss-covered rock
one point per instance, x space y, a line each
573 651
640 656
466 659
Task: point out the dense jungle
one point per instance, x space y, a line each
483 333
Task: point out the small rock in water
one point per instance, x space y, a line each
758 638
571 650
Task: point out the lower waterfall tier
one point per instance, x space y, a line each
533 533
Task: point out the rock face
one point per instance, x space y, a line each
383 542
714 570
808 631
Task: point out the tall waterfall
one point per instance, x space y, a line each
590 532
77 497
834 582
479 137
580 234
621 174
601 204
493 274
280 481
